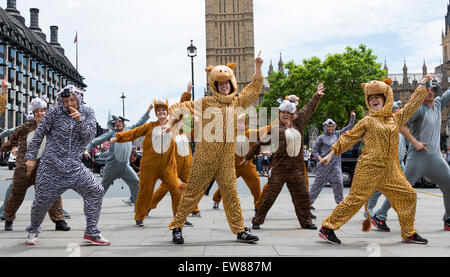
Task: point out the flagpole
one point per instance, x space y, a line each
76 41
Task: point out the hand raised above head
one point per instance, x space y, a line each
259 61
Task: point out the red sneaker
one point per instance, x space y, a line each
96 240
447 226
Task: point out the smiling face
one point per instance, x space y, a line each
119 125
161 113
39 114
376 101
285 117
224 87
330 128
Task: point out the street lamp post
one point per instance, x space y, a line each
192 53
123 104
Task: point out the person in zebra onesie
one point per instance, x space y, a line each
68 127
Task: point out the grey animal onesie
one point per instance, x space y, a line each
332 173
118 162
61 167
425 127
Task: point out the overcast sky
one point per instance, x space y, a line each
139 46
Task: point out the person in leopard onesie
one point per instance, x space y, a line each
214 154
378 168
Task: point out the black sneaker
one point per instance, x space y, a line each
310 226
380 225
312 216
8 225
415 239
216 206
188 224
2 218
256 226
139 223
447 225
246 236
328 235
177 237
62 226
312 208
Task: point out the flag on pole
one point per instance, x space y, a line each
76 38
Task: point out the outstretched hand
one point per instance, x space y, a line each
113 140
320 89
150 108
427 78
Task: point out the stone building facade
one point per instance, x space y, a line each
35 67
230 37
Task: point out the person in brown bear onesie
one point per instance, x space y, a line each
287 165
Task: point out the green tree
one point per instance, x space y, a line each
342 74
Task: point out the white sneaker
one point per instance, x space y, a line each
32 238
216 206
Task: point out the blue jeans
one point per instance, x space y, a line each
381 214
259 164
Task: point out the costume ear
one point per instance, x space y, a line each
232 65
363 85
209 68
167 102
388 81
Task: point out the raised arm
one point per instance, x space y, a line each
414 103
143 119
349 126
350 138
306 113
251 92
133 134
101 139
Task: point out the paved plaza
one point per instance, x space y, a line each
280 236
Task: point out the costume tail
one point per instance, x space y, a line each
366 223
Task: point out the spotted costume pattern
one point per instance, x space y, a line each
61 167
378 167
248 172
214 154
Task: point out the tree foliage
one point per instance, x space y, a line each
342 74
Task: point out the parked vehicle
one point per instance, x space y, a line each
348 163
98 162
11 161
